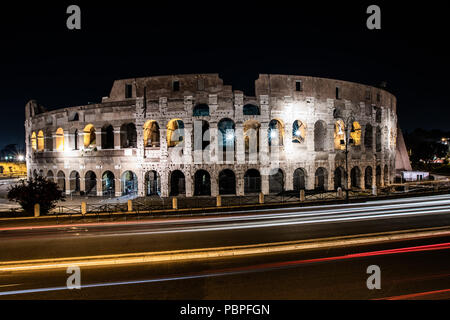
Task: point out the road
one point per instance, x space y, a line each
419 268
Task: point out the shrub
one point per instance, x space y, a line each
38 190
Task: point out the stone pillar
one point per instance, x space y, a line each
99 186
289 179
164 175
187 151
214 185
98 138
264 144
141 183
240 147
189 184
265 181
82 181
163 145
311 178
214 143
118 185
116 138
67 178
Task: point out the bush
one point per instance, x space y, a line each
37 190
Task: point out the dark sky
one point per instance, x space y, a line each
41 59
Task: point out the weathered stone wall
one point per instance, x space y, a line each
154 98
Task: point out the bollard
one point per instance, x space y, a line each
37 210
83 208
261 198
374 191
174 203
219 201
340 194
130 205
302 195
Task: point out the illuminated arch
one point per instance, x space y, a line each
89 136
251 136
33 141
175 132
40 141
298 132
151 134
60 139
339 135
355 134
276 132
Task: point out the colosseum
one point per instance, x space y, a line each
191 135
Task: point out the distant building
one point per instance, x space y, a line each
12 169
415 176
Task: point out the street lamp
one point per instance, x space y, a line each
348 124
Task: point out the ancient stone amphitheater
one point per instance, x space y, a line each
192 135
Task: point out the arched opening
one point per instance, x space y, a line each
107 137
386 175
227 182
128 136
368 137
355 133
251 138
33 141
276 181
60 139
226 139
378 176
175 133
50 176
152 183
151 134
378 115
355 176
276 133
129 183
339 178
201 135
251 110
177 183
89 136
48 140
201 110
90 183
40 141
299 179
298 132
252 181
41 172
378 139
202 183
74 182
61 181
339 135
368 178
108 184
321 179
320 133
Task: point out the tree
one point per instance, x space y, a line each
38 190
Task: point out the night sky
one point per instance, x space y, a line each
41 59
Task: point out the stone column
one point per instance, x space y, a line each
116 138
164 183
214 184
187 151
265 180
214 143
189 184
141 182
99 186
98 138
240 147
264 144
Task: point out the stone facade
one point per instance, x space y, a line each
143 137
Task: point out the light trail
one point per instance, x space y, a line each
255 268
294 212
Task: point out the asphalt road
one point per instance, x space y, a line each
417 273
288 276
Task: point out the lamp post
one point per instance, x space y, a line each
348 124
